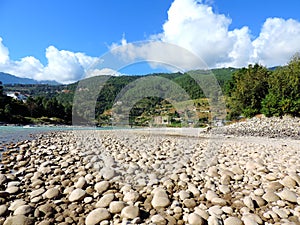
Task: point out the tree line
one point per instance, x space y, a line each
248 92
258 90
39 109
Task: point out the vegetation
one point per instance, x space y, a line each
256 90
39 109
248 91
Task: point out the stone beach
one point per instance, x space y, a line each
247 173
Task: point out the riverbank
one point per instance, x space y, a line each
142 177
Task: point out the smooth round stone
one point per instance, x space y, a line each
131 196
3 179
80 183
77 195
233 221
259 200
105 200
102 186
37 192
271 177
270 197
211 195
282 214
16 204
3 209
12 189
195 219
259 192
158 219
218 201
13 183
224 189
275 185
177 209
88 199
212 171
189 203
23 210
202 213
160 199
288 195
51 193
96 216
116 206
18 220
227 210
46 208
184 195
213 220
248 202
249 221
237 170
130 212
107 173
288 182
215 210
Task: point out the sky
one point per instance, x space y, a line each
66 40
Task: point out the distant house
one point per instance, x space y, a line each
17 96
161 120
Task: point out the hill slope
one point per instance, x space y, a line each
7 78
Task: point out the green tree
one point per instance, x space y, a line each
284 92
247 89
1 89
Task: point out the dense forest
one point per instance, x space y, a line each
247 92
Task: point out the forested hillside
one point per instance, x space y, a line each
248 91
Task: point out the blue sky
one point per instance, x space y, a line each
59 40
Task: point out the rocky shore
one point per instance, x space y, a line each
274 127
126 177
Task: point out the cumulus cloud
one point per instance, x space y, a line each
278 41
3 53
63 66
104 71
194 25
66 66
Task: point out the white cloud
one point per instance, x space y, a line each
278 41
3 53
63 66
66 66
194 26
104 71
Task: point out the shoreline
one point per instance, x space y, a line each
137 177
153 176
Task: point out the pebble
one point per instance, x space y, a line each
101 186
18 220
3 209
195 219
116 206
96 216
288 195
51 193
23 210
130 212
233 221
158 219
77 195
105 178
105 200
160 199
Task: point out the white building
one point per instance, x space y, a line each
17 96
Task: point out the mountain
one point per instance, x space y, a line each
7 78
